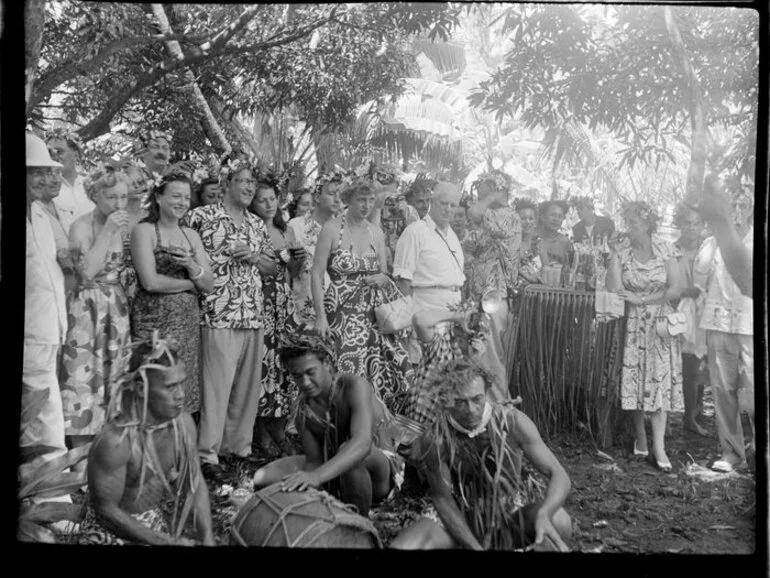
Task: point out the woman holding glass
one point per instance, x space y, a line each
644 272
172 268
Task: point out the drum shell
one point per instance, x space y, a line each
309 519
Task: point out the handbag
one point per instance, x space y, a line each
671 324
395 315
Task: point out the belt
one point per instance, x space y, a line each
448 287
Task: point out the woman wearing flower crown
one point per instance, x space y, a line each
353 251
172 269
278 394
644 272
97 307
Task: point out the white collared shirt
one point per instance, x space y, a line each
424 258
45 308
725 309
72 202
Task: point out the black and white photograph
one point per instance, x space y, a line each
389 275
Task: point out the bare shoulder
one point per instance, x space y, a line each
111 448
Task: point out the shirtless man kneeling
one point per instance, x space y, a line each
145 455
341 423
471 458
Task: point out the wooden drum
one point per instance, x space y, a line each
309 519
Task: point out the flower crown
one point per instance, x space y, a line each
338 175
70 137
235 166
101 169
502 181
641 209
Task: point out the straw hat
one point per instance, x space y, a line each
37 153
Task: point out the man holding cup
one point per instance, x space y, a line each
232 338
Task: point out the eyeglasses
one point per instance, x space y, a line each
245 181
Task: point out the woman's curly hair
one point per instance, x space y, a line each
104 176
643 211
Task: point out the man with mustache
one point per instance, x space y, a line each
157 151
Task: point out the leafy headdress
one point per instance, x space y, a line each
128 410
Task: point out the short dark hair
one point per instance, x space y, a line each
542 210
447 381
303 342
521 203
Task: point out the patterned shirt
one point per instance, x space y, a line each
496 252
236 300
726 309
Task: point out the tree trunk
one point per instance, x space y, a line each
34 22
210 124
697 170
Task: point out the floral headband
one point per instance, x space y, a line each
103 168
235 166
68 136
338 175
641 209
501 181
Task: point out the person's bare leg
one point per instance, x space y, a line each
356 488
378 466
424 534
658 421
275 471
640 436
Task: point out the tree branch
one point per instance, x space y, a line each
100 124
74 67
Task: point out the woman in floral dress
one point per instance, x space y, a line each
172 267
644 272
278 392
353 251
97 307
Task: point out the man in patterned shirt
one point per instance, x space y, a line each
232 337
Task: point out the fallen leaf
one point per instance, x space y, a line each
674 550
600 524
720 527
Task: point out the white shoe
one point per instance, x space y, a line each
640 453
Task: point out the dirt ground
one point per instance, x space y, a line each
619 503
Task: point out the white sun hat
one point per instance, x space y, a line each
37 153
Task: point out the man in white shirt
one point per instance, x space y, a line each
429 259
727 317
45 316
71 202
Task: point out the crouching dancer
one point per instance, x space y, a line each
145 461
344 428
471 458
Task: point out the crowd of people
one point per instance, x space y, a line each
180 321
